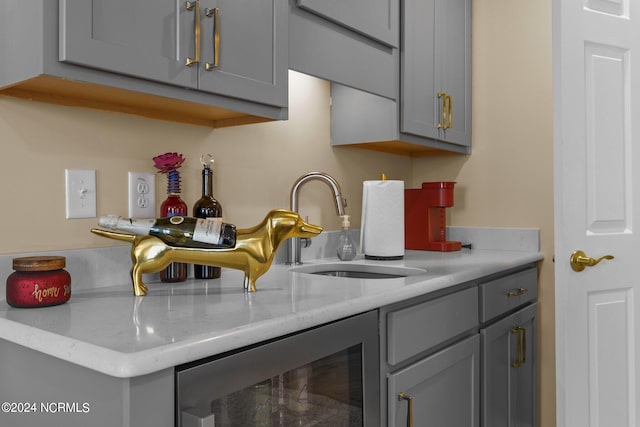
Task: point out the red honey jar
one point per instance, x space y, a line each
38 281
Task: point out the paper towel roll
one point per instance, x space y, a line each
382 225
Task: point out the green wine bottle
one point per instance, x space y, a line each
188 232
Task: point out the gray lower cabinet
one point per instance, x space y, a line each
133 57
509 371
430 360
39 383
440 391
462 358
508 348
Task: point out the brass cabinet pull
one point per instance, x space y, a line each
215 13
195 6
403 396
579 260
446 116
443 115
517 292
522 346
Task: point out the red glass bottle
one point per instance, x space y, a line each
172 206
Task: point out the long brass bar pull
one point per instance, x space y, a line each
215 14
403 396
521 348
449 112
443 114
524 344
195 6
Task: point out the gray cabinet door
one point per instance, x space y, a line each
436 70
378 19
444 388
509 378
139 38
253 50
153 39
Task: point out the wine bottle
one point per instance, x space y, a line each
173 205
188 232
207 207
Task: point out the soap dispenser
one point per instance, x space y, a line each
346 244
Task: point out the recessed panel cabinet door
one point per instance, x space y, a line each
509 371
149 40
443 389
436 70
249 38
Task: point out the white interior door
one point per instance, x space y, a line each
597 189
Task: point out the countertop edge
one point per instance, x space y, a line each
127 365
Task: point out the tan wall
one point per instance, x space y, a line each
507 182
255 167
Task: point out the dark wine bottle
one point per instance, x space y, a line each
207 207
188 232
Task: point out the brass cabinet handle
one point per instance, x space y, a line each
195 6
517 292
446 116
403 396
579 260
215 13
522 346
443 115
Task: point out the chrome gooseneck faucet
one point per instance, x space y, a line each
294 243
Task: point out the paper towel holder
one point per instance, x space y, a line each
383 241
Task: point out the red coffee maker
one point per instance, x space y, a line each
425 223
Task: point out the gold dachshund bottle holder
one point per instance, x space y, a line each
253 254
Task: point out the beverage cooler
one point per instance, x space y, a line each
326 376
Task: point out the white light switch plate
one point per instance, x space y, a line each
81 192
142 195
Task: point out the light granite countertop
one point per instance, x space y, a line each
107 329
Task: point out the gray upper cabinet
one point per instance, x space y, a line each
431 112
436 70
377 19
351 42
252 51
233 48
131 56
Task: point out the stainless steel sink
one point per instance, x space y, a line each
359 271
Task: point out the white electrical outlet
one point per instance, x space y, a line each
80 193
142 195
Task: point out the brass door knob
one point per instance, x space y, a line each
579 260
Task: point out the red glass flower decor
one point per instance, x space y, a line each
168 161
